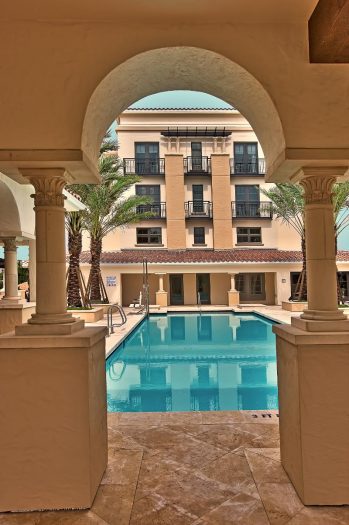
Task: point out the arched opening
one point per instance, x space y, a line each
182 68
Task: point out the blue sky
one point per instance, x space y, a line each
181 99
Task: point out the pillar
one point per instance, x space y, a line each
313 363
11 271
161 294
221 198
175 216
51 300
320 246
32 269
233 294
53 439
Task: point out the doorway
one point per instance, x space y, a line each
203 288
176 289
196 156
246 157
251 287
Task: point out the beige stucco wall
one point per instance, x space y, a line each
220 284
207 224
189 283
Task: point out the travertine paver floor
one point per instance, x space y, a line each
208 468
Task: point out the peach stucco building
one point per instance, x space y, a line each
213 231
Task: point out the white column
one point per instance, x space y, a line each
320 245
51 301
11 270
161 281
232 282
32 269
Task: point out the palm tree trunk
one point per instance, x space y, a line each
73 287
95 251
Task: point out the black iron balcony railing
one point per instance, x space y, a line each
252 210
198 209
255 167
197 165
144 166
157 210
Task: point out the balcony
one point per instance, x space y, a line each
252 210
197 166
198 210
144 167
255 168
158 210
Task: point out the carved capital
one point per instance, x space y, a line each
10 244
318 189
48 190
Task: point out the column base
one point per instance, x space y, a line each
64 318
161 298
53 439
313 371
50 329
310 325
324 315
11 300
233 298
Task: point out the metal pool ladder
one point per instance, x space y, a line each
121 312
199 302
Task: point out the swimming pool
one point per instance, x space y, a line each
189 362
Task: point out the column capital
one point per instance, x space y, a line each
10 244
318 188
48 184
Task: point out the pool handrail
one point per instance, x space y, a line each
122 314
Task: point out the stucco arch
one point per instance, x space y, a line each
9 213
16 217
187 68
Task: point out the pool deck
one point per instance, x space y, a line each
198 468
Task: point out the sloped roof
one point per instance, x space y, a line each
161 256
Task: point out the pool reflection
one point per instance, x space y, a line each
192 362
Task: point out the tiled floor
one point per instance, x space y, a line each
209 468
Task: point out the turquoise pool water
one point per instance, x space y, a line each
185 362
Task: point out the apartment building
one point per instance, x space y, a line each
212 236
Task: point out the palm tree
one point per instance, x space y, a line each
74 226
288 205
107 208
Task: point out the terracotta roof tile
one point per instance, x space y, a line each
238 255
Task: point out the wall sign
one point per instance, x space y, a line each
111 280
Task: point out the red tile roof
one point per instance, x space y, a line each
238 255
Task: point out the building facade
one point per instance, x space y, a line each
212 237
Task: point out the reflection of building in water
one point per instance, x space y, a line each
193 362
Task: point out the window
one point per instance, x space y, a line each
149 190
199 235
246 157
247 200
147 157
249 235
149 236
247 192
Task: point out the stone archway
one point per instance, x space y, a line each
187 68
